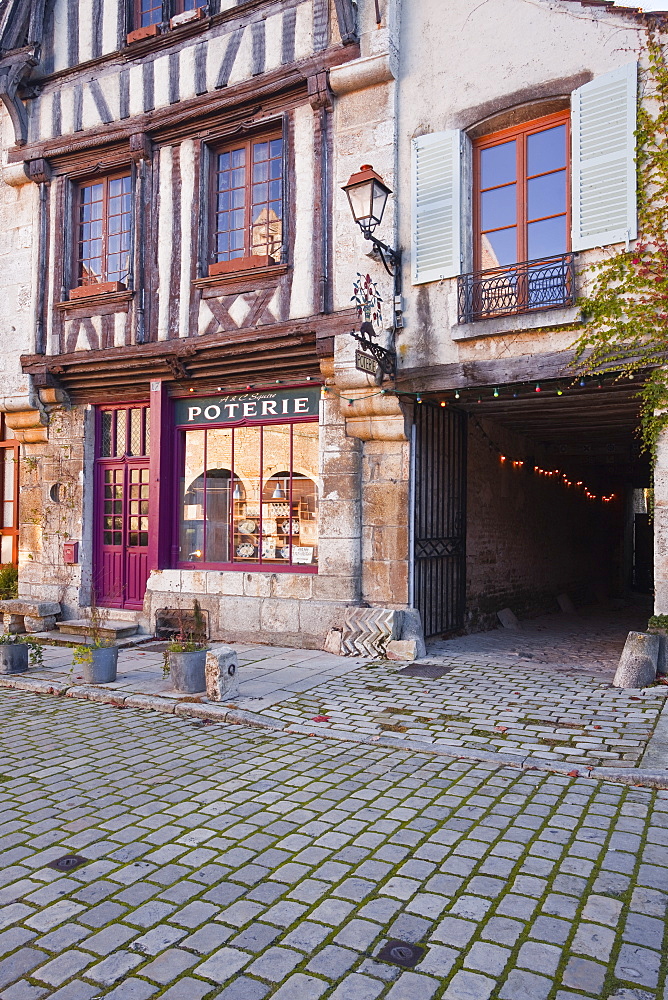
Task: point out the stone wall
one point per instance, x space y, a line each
529 536
54 494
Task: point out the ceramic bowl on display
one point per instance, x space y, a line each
247 527
269 526
284 552
245 550
285 526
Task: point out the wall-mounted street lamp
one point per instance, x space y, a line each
367 195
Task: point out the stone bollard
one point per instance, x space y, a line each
412 631
638 662
222 673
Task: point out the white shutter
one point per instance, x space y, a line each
436 201
604 171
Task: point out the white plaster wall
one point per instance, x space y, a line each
455 72
18 238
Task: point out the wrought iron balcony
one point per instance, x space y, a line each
518 288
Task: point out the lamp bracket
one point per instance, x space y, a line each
390 258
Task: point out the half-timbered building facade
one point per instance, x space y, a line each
169 208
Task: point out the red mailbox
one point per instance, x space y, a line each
71 552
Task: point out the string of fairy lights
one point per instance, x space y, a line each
578 486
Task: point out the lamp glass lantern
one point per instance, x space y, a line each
367 195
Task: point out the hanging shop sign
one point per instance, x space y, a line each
254 405
364 363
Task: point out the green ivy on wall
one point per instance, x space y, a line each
626 311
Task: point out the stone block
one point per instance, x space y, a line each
367 631
342 589
402 649
566 604
222 673
317 618
508 619
38 609
339 518
295 586
228 584
257 584
13 624
279 616
239 614
638 662
384 582
385 504
411 628
333 641
33 624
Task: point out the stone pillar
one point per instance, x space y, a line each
661 526
339 540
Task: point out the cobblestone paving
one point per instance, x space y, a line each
237 864
548 714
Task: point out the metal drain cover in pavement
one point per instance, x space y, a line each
432 671
68 863
402 953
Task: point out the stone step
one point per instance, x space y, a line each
55 638
109 629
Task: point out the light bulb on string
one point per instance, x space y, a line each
582 383
560 392
419 399
443 403
456 393
496 393
537 387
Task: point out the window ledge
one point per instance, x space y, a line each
99 297
243 274
516 323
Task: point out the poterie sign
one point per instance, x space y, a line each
251 406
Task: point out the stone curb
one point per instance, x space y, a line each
236 716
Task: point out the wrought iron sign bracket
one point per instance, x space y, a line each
386 359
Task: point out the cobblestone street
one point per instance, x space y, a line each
238 864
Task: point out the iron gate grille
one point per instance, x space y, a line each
440 518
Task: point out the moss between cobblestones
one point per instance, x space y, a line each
493 782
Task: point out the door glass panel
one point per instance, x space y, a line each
6 547
8 473
191 529
135 433
147 431
218 478
105 444
120 433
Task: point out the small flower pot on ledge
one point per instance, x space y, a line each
13 658
187 671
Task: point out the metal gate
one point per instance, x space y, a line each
440 517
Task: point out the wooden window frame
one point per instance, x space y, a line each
257 564
10 444
498 138
78 290
248 262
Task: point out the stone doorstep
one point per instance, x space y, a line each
108 629
56 639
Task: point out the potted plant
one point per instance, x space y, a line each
658 625
98 656
185 655
16 651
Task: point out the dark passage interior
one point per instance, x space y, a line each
557 498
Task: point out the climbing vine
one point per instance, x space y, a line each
626 310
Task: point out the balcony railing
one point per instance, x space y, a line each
518 288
